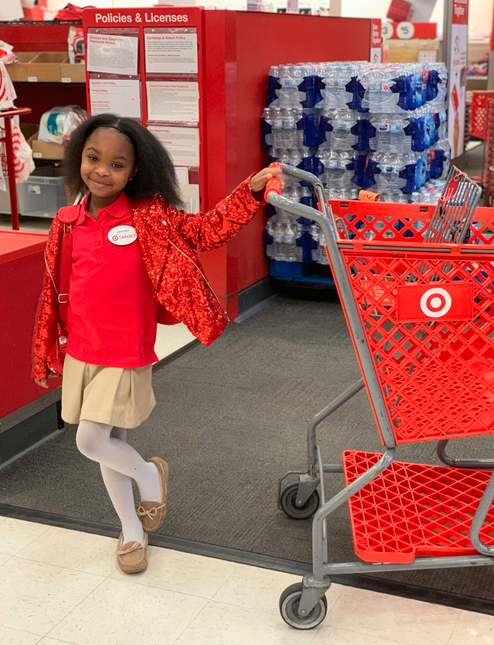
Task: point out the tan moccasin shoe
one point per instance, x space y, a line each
132 557
152 514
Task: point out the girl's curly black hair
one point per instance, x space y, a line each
155 174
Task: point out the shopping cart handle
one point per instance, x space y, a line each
297 209
302 175
272 185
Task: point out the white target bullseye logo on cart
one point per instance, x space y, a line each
436 302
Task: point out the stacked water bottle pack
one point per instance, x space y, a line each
357 126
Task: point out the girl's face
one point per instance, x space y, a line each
107 164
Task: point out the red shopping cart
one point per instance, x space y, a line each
421 318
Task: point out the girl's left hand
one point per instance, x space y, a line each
258 181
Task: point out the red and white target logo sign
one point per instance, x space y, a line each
417 303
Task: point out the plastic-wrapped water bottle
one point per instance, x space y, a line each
293 253
439 78
290 78
336 168
311 85
336 77
319 253
273 86
285 133
339 129
391 136
279 241
388 179
377 83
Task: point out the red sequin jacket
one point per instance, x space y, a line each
168 238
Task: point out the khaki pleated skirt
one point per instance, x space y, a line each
117 396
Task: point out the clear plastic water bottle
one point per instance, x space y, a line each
336 77
319 253
284 127
292 234
279 241
289 95
388 180
441 91
338 128
337 168
377 83
390 133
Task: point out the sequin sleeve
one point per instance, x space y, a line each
206 231
46 322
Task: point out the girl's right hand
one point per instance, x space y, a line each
43 382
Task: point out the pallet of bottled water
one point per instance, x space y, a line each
357 126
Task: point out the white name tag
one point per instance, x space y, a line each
122 235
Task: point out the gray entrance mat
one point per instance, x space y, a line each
230 420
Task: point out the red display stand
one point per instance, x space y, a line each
21 270
235 51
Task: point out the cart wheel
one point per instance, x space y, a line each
288 498
289 603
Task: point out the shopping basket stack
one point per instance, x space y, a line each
419 305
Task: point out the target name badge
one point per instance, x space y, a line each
122 235
426 303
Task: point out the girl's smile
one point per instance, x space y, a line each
107 165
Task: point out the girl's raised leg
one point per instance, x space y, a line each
120 463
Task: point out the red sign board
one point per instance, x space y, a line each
426 303
460 12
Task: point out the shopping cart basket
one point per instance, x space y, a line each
421 319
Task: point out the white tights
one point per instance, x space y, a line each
120 463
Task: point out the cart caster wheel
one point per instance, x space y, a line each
289 603
288 498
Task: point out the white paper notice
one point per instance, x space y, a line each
190 194
182 175
117 95
174 101
181 143
112 54
171 53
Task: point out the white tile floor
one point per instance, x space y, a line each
62 586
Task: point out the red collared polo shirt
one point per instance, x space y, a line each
111 318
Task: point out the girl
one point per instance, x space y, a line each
132 263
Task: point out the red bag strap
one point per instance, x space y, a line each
65 271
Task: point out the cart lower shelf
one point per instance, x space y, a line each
414 510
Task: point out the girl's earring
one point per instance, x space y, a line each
130 178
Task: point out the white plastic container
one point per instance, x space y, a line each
41 195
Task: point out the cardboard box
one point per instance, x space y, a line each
45 68
19 71
409 51
73 72
45 149
29 129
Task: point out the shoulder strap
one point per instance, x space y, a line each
65 271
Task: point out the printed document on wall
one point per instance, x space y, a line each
173 101
116 95
112 54
190 195
181 143
171 53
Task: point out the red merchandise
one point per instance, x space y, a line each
399 10
72 12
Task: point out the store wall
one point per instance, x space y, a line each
481 11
